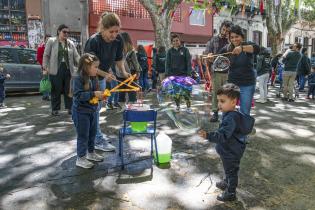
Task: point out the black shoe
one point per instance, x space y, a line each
117 106
109 106
284 99
221 185
215 117
55 113
2 106
226 196
291 100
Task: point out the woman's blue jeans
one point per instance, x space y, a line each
246 97
99 135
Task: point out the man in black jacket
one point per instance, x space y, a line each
304 69
178 63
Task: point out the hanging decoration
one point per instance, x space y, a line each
277 2
261 7
243 8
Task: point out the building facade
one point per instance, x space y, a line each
304 33
194 26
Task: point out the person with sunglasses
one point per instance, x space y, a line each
60 60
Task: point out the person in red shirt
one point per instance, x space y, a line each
40 54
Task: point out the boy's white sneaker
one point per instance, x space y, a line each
189 110
83 162
94 157
262 101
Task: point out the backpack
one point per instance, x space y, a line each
160 63
129 65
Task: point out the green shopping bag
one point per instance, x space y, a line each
45 85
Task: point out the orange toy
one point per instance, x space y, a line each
126 82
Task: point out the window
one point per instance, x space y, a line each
6 56
305 42
299 40
197 17
245 33
257 37
27 56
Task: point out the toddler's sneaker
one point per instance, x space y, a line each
105 147
95 157
189 110
83 162
2 106
226 196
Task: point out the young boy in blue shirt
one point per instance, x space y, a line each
229 139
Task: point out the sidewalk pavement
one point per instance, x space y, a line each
38 153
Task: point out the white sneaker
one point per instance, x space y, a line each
189 110
83 162
261 101
105 147
95 157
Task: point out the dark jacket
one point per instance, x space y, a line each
178 62
291 61
263 63
304 67
242 72
2 78
215 44
159 62
143 61
81 97
311 79
228 137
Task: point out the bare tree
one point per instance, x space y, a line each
161 17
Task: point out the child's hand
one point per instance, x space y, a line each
202 134
8 76
99 95
45 72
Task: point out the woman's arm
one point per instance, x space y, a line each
47 54
121 67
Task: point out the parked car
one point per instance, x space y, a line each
21 64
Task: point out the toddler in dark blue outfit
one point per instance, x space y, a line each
84 111
229 139
3 77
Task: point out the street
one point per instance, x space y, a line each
38 153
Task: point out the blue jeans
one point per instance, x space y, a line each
246 97
114 96
2 94
99 135
143 80
302 81
85 124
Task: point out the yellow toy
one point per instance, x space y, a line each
126 82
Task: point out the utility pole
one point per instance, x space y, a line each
84 4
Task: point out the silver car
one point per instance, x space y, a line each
21 64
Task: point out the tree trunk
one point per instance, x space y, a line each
162 31
161 19
276 42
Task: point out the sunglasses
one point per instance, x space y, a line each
65 32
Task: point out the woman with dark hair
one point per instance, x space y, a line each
143 62
241 70
131 66
107 45
60 60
